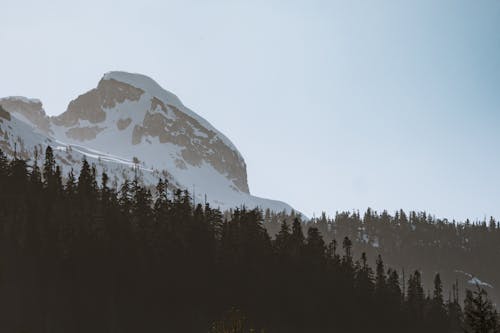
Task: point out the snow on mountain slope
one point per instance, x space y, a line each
18 138
147 84
129 120
144 121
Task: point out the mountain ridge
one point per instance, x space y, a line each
129 120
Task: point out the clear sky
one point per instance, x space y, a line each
335 105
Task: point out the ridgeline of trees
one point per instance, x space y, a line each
76 256
417 240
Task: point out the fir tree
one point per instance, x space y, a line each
84 188
415 301
49 168
380 277
437 313
282 240
479 314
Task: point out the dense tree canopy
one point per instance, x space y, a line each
79 256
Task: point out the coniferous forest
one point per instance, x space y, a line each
79 256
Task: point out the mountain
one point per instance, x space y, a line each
129 122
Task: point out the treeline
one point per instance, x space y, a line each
79 256
458 250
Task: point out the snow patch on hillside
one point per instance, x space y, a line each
474 280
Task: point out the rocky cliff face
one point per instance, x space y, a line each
140 113
28 109
91 106
129 120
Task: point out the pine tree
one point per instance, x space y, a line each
455 316
35 175
282 241
393 303
347 245
393 286
214 219
437 316
314 248
84 188
438 290
364 280
58 186
331 253
49 168
480 315
19 172
380 277
105 191
174 272
297 239
70 188
4 164
124 197
415 301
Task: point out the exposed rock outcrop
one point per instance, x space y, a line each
31 109
129 122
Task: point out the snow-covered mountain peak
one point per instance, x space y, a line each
129 120
145 83
139 119
155 91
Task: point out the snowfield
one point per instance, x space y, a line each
196 156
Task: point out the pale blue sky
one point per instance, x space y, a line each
334 104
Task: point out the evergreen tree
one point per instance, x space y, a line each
105 190
4 164
314 248
98 260
85 181
297 239
437 316
364 287
479 314
415 301
380 278
124 197
347 245
58 186
35 175
49 168
70 188
282 240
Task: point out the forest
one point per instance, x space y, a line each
77 255
461 251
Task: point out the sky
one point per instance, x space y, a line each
335 105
